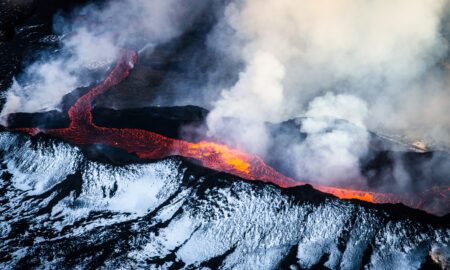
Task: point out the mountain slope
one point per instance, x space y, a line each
60 209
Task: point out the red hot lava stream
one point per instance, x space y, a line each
146 144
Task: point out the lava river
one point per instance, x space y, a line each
146 144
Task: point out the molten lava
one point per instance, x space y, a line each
146 144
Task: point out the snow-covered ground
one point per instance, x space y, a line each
60 210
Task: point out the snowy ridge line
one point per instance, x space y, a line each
171 213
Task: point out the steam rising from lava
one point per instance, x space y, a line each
332 149
377 64
89 42
146 144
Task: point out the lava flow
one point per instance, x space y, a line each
146 144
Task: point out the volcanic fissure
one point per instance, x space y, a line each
147 144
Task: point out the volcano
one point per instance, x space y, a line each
106 181
150 145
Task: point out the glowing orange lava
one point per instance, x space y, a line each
146 144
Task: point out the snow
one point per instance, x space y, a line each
162 213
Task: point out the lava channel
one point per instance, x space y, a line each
146 144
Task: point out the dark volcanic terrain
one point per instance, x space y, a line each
64 206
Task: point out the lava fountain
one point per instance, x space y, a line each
146 144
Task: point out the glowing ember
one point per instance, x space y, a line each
146 144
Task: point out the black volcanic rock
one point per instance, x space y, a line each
12 13
69 212
167 121
43 120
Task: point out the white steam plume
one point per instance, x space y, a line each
379 59
332 149
90 41
250 109
46 81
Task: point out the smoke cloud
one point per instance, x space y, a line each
256 97
331 151
89 42
378 64
46 81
